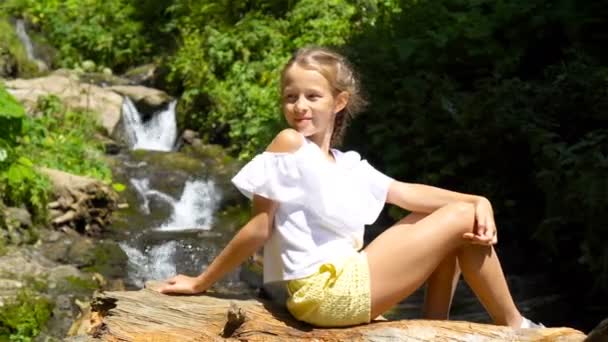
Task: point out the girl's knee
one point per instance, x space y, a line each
462 215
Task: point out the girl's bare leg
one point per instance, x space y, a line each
440 287
482 272
441 284
404 256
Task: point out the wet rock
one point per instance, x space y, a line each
189 136
21 264
19 216
8 289
146 99
62 285
16 226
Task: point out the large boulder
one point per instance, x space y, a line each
73 93
147 99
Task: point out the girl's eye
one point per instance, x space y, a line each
314 96
290 98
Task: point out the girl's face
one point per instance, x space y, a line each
309 104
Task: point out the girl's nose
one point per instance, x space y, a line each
300 105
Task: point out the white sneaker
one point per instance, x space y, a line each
528 324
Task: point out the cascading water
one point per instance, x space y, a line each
173 246
26 41
158 133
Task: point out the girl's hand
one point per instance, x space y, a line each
183 284
484 232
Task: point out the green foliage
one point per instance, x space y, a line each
21 184
23 318
56 138
501 98
231 56
11 118
102 31
79 285
60 139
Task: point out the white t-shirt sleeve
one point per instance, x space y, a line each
378 184
275 176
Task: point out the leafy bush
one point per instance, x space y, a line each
23 318
19 182
229 61
11 120
101 31
501 98
56 138
61 139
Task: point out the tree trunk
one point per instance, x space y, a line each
147 315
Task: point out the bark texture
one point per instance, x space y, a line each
147 315
81 204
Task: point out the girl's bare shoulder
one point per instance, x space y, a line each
288 140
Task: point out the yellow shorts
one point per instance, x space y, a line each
336 295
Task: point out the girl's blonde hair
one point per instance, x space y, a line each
341 77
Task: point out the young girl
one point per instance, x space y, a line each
310 205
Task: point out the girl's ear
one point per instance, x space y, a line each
341 101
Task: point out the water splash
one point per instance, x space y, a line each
158 134
153 263
195 208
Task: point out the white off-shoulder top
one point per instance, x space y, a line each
323 206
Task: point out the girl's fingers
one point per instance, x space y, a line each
477 239
481 224
165 289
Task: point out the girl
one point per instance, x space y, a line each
310 205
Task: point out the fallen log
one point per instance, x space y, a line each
147 315
80 203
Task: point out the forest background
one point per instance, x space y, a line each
504 98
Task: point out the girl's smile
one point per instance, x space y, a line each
309 104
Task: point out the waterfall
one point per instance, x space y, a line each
27 44
25 39
158 133
174 245
195 208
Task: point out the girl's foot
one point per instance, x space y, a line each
528 324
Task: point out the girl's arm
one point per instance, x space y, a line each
426 199
248 240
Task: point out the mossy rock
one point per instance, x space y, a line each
177 161
109 260
13 57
